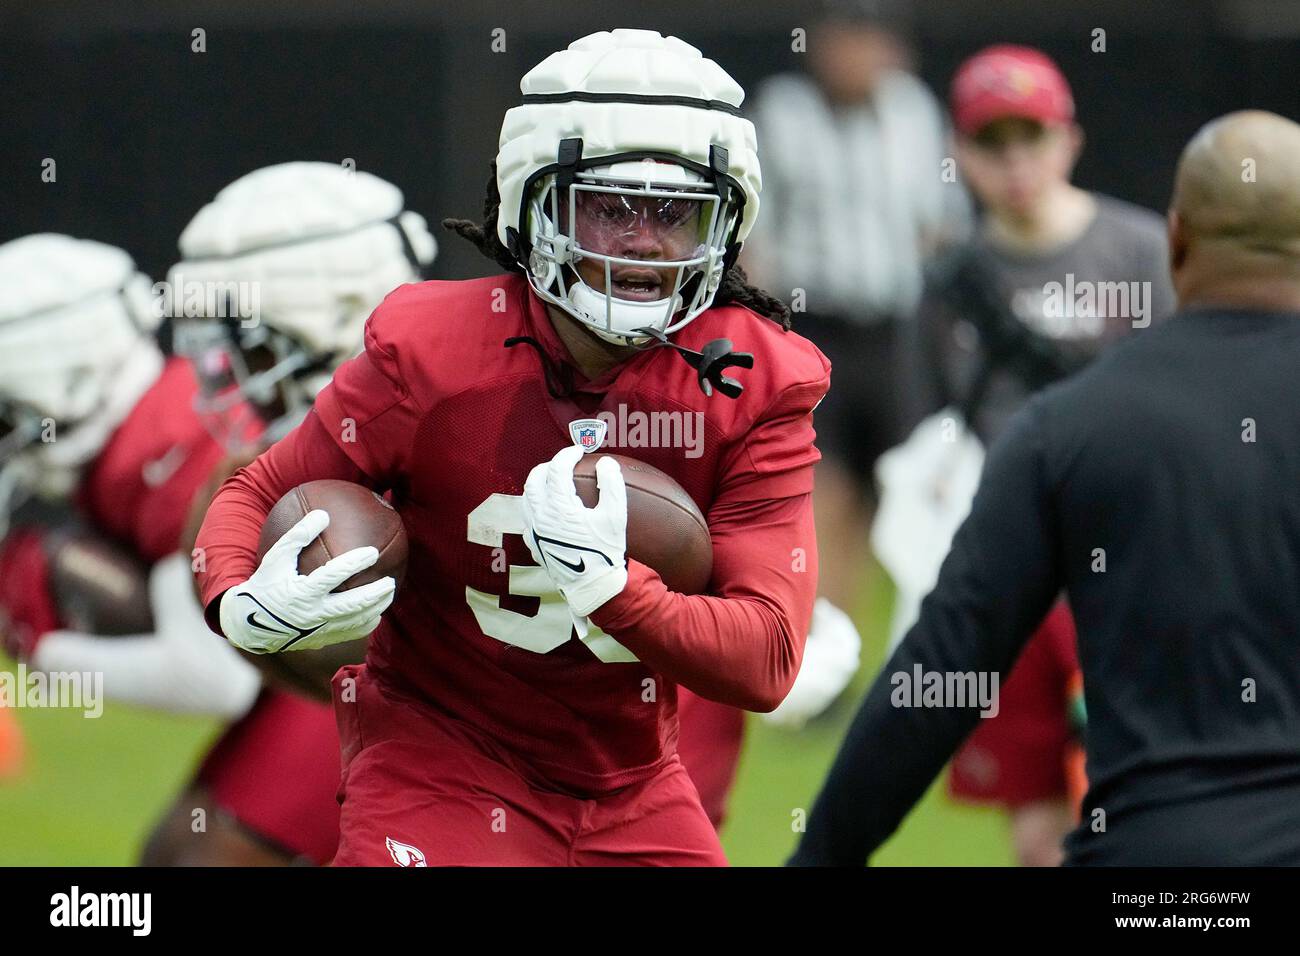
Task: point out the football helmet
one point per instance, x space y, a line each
628 182
76 353
278 276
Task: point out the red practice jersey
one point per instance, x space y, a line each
441 414
140 488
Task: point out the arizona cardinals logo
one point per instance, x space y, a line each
404 854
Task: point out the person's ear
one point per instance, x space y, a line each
1177 242
1076 140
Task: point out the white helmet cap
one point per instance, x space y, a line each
612 99
76 353
318 246
300 254
71 311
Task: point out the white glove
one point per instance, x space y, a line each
278 609
582 549
830 659
182 667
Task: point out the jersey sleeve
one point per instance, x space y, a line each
225 552
742 644
775 456
367 409
360 429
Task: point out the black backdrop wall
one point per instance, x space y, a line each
143 130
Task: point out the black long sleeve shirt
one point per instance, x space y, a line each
1161 488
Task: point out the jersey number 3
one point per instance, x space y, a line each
552 625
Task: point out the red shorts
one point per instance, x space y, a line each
1021 755
276 771
420 789
709 746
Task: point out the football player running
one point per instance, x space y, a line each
517 703
320 246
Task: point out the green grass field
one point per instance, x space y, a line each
93 788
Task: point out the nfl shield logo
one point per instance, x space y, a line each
588 433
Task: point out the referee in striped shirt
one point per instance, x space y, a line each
854 200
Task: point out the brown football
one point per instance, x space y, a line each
358 517
665 529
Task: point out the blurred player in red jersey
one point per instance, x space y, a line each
1029 758
312 247
517 704
318 245
93 438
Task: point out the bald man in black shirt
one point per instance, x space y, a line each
1161 489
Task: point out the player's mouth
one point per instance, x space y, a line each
638 285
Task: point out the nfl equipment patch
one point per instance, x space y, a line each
588 433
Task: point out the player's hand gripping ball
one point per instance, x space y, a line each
278 609
582 549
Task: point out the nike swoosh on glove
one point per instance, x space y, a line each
278 609
582 549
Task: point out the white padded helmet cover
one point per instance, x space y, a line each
316 242
71 312
631 63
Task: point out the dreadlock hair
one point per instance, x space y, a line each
734 288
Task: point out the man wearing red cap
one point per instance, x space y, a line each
1045 247
1054 275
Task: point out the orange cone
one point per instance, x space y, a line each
11 744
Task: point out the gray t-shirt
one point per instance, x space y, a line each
996 326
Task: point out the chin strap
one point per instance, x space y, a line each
709 364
